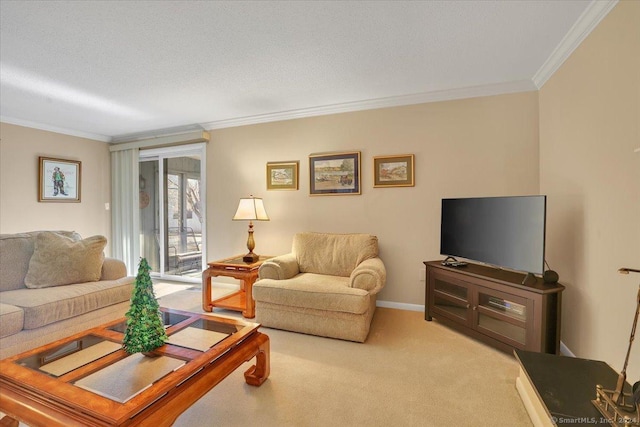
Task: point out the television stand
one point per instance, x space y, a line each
529 279
493 306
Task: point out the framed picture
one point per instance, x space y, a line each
393 171
282 175
334 174
59 180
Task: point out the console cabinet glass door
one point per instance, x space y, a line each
503 316
451 299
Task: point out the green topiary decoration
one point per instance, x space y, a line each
145 330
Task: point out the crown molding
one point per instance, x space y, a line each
156 133
163 141
394 101
347 107
589 20
49 128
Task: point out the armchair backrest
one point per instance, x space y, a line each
333 254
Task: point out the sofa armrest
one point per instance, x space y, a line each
279 268
369 275
113 269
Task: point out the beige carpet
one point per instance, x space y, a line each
408 373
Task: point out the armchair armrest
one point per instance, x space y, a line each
279 268
369 275
113 269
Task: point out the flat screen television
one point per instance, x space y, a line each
501 231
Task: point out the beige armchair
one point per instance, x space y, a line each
326 286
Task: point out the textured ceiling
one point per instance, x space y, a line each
107 69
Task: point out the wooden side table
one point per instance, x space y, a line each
246 272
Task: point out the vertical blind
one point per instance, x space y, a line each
125 215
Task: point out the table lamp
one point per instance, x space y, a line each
251 209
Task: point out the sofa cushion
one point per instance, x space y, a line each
314 291
333 254
15 253
113 269
59 260
11 320
44 306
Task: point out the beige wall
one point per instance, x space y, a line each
589 128
474 147
19 206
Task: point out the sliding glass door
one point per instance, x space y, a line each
172 211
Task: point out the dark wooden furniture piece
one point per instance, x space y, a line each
557 390
493 306
246 272
89 380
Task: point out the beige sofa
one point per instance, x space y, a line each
326 286
37 307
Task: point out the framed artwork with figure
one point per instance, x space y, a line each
59 180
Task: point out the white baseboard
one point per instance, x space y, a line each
400 305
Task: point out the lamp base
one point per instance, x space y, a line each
250 257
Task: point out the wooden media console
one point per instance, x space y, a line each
492 305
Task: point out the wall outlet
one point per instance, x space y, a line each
423 275
107 206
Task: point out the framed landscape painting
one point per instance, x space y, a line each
59 180
282 175
393 171
334 174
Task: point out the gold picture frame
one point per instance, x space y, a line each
334 173
394 171
282 175
59 180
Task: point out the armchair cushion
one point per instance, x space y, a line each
333 254
315 291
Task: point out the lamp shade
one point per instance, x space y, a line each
251 209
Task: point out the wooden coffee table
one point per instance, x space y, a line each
88 380
242 300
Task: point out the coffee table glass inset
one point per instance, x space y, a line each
72 355
90 377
